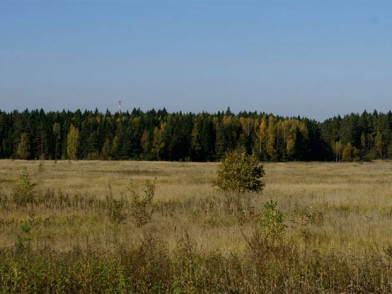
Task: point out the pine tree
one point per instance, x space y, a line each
56 130
379 144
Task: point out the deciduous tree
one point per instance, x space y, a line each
72 142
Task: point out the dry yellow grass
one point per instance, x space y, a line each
351 201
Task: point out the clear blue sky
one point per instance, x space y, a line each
315 58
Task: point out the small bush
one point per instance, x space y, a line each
24 191
141 206
272 221
240 172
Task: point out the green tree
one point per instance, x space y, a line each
115 148
363 143
56 129
246 127
91 146
195 141
203 138
379 144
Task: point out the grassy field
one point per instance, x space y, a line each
79 229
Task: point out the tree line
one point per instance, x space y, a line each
159 135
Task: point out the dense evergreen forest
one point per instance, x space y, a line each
159 135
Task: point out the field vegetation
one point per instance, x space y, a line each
163 227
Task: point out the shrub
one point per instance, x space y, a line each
23 192
240 172
141 206
272 221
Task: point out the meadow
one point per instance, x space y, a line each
78 231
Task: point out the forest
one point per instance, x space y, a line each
160 135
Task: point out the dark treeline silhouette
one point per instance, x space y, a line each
159 135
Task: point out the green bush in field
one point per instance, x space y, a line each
141 205
24 190
240 172
272 221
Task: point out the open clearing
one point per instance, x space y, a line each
330 209
354 200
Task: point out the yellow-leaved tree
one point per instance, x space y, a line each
23 150
72 142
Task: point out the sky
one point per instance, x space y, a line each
312 58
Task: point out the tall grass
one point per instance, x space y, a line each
317 228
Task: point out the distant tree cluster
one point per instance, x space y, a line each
159 135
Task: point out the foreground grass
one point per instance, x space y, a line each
70 239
